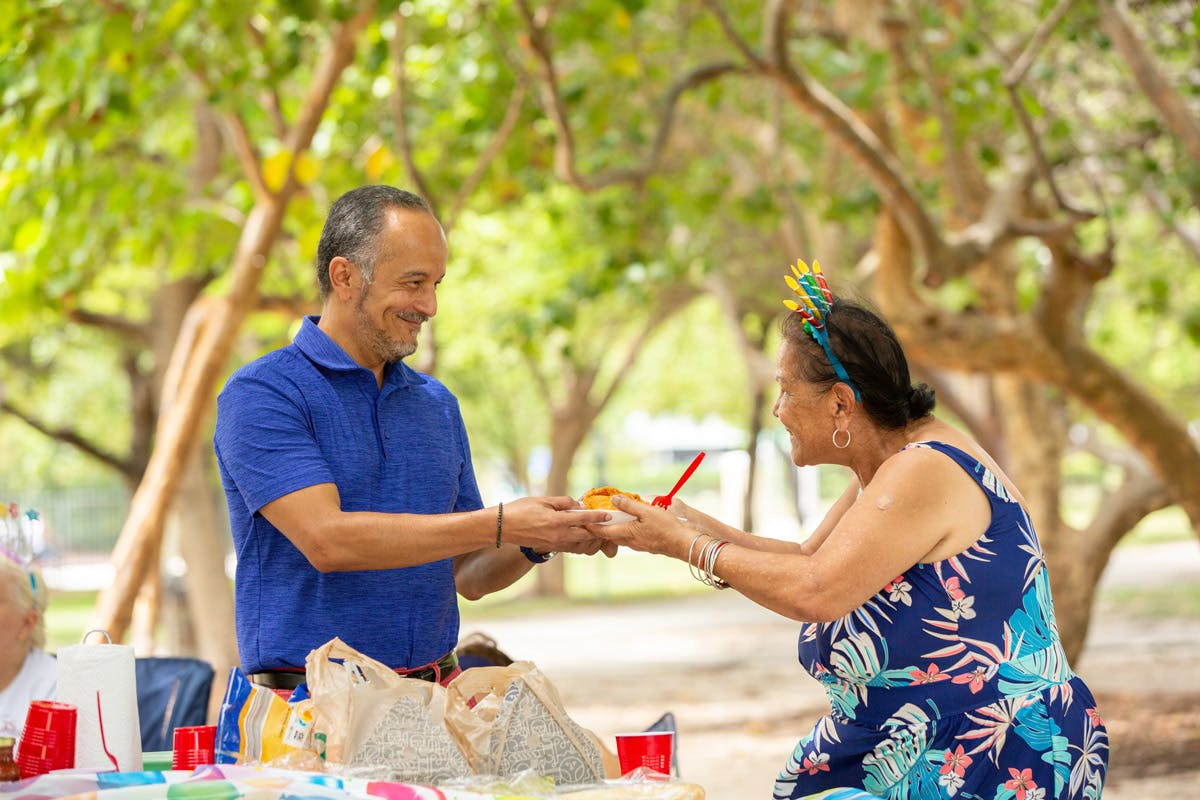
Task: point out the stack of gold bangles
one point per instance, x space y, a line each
702 569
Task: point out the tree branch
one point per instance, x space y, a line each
399 116
966 183
760 367
108 322
1011 345
1170 104
1039 153
512 114
670 302
732 35
1012 82
1139 494
864 147
273 104
247 155
1170 220
73 438
1016 73
291 305
555 109
539 379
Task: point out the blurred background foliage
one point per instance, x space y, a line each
623 184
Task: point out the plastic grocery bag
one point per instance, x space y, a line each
373 722
510 719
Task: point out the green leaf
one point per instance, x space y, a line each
28 234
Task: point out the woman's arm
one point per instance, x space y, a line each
915 500
700 522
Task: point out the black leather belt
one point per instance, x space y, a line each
291 678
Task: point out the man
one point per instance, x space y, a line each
348 475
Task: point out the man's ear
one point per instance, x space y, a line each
343 276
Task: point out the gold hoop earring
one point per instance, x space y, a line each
841 446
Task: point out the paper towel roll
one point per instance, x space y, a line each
88 671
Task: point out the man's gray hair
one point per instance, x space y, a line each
353 225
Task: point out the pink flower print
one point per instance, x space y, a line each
931 675
953 590
1023 785
955 761
899 590
975 679
1094 716
817 762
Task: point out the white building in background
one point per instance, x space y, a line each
678 439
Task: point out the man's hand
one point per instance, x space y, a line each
551 523
595 545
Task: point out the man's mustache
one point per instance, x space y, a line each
413 316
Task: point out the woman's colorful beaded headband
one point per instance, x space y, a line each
15 545
815 302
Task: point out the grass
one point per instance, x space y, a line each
67 618
1165 525
1169 601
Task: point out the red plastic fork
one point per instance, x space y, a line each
664 501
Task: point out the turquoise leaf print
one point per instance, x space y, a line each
1036 727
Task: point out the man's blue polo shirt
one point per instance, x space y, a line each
307 414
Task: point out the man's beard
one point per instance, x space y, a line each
380 342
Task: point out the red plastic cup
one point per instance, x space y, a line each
48 740
649 749
193 746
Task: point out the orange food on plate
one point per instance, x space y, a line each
602 498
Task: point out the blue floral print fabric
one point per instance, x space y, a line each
951 682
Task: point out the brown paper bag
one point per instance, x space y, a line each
377 723
511 719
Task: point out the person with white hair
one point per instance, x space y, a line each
27 671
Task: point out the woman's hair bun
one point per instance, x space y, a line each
920 401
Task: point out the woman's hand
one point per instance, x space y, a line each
655 530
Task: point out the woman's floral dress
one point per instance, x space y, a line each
951 682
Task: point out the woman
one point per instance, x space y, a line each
949 681
26 671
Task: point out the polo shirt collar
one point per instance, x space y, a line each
316 345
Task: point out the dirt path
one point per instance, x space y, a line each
727 669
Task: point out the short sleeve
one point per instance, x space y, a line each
265 441
468 489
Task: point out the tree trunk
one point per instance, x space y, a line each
198 517
757 401
1035 427
146 609
566 437
178 425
